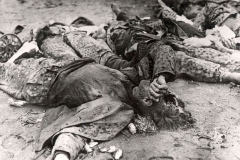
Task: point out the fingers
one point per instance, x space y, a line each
159 85
229 43
157 90
169 14
197 42
186 44
154 88
160 89
172 15
232 43
164 14
190 40
153 95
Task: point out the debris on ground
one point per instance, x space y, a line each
114 151
31 118
132 129
16 103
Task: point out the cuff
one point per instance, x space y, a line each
169 75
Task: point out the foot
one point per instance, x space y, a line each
61 157
232 77
115 8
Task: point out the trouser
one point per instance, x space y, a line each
177 64
69 144
198 69
164 60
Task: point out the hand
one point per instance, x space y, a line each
100 33
197 42
229 43
167 14
157 88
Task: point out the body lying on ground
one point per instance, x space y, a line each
98 88
92 86
175 59
206 14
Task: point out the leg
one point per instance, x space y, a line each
86 46
121 16
29 79
204 71
212 55
67 146
207 54
196 69
57 49
231 77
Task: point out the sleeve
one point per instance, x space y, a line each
200 19
124 66
163 57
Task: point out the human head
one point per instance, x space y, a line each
167 113
101 32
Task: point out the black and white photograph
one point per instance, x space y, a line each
119 79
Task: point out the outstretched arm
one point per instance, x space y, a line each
163 57
166 12
158 87
162 4
121 16
200 19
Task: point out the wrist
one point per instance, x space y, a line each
162 76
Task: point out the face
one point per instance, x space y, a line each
168 113
144 104
192 10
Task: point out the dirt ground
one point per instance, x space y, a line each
215 106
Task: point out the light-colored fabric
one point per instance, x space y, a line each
225 32
30 79
69 143
86 46
198 69
184 19
234 24
27 47
54 47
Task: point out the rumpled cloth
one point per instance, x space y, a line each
99 120
89 104
214 13
87 80
86 46
30 79
183 30
161 59
204 64
54 47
